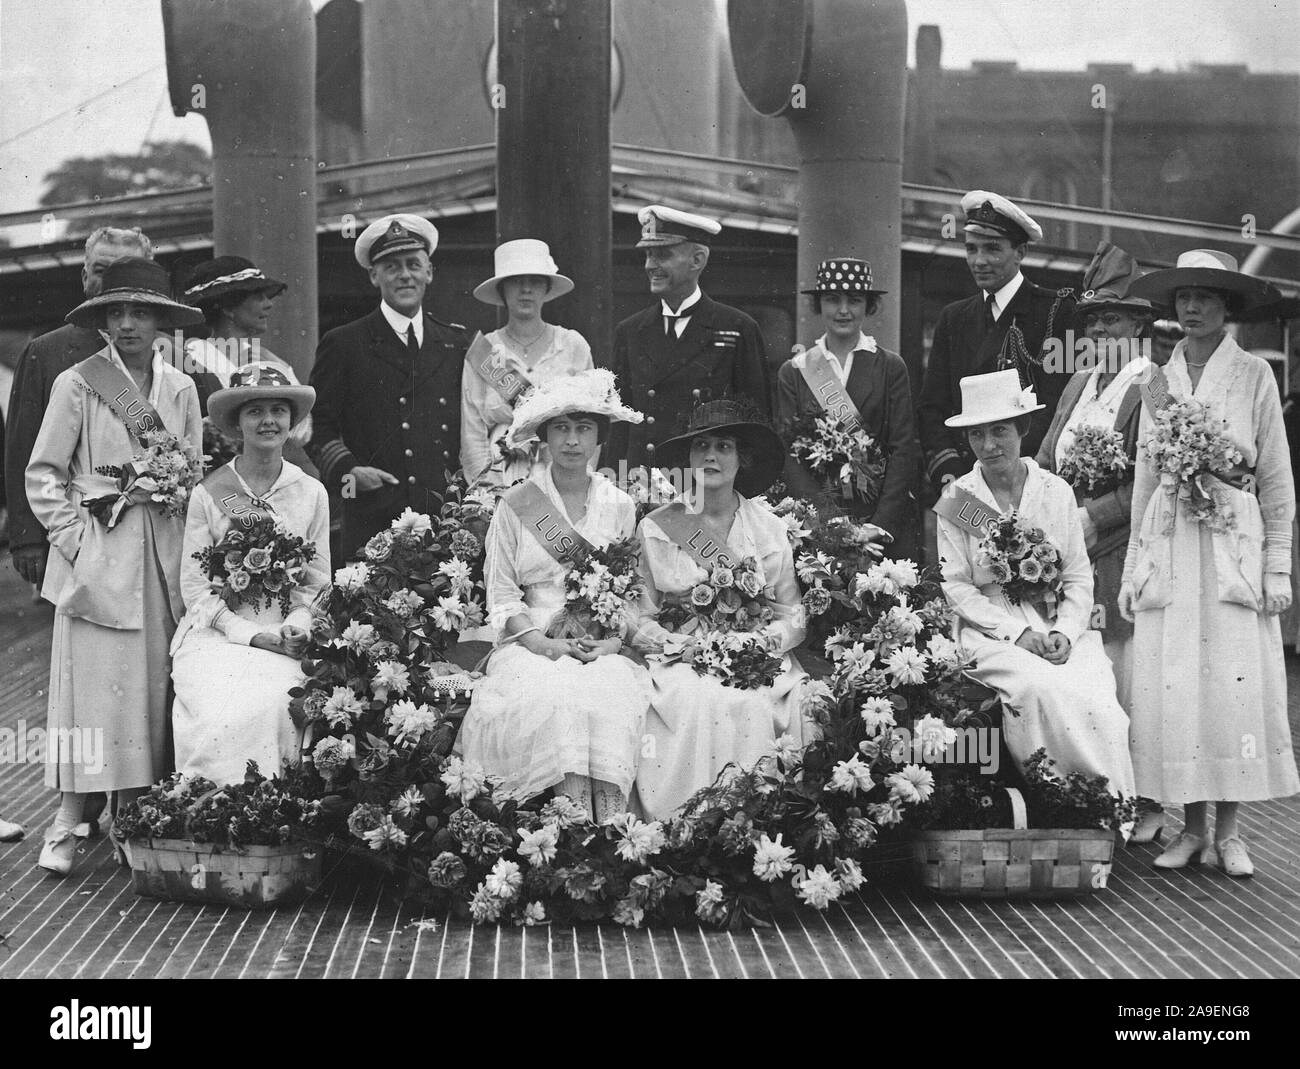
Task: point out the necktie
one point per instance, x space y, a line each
670 322
989 321
412 345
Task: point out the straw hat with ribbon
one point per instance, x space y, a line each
260 380
135 280
224 275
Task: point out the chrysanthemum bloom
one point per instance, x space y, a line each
412 523
911 784
640 840
906 666
352 579
385 833
539 847
818 889
877 713
504 880
772 858
849 874
464 779
342 708
933 737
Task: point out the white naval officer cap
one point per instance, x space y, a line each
668 226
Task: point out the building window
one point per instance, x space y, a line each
1057 188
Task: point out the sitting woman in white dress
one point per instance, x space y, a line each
1049 670
233 667
697 726
501 366
561 712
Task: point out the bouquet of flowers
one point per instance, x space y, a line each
255 812
597 593
257 565
218 447
740 659
163 473
833 556
1095 461
799 516
730 599
1187 448
851 458
1024 563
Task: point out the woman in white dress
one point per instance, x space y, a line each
566 713
696 725
502 365
116 590
233 668
1049 670
1209 704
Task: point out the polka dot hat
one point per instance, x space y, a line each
843 276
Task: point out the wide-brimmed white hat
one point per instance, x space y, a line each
523 256
1208 269
260 380
993 397
585 391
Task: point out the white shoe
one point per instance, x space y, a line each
1149 827
11 832
1231 856
1184 850
60 849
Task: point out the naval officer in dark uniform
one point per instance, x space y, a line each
684 349
387 416
1005 325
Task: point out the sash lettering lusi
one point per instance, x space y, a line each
123 397
688 535
242 509
828 390
546 523
967 511
495 370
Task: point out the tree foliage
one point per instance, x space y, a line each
162 165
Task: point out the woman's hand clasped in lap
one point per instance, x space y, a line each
1053 648
293 641
555 648
588 649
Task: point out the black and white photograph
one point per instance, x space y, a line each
650 489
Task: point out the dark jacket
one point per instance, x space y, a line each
961 348
720 353
42 361
878 386
377 407
1109 512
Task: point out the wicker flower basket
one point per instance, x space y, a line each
256 877
1019 862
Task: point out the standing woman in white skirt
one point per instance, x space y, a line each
116 591
1209 695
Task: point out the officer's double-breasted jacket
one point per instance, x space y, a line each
378 406
720 354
